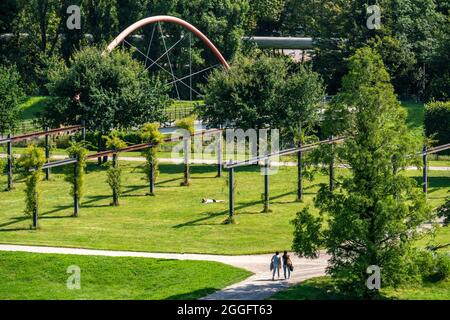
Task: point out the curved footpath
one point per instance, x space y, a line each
257 287
211 161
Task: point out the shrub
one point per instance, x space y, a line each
437 120
114 172
32 158
150 134
187 124
77 150
442 269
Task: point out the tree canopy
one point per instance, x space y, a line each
373 216
263 91
107 92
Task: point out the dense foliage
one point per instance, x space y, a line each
11 95
110 91
437 122
373 216
263 91
413 39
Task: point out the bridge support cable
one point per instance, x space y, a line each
168 58
149 46
161 67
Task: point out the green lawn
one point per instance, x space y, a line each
32 106
416 113
44 276
175 220
321 288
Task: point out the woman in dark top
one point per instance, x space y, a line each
287 265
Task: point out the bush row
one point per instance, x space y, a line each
437 122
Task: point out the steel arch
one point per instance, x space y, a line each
150 20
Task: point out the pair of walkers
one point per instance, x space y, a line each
276 263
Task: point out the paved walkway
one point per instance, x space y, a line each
257 287
214 161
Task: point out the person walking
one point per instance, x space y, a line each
275 265
287 265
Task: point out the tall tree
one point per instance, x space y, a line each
261 91
110 91
373 218
11 95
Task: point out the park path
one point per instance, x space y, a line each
214 161
259 286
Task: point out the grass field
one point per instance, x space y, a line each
321 288
416 114
44 276
174 220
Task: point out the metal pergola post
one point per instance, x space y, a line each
299 176
231 193
425 170
75 189
47 154
186 145
331 173
10 164
83 130
152 179
266 186
35 218
219 156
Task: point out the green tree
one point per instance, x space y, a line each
32 158
150 134
102 19
78 151
436 121
114 171
11 95
110 91
187 124
408 36
263 91
265 17
374 215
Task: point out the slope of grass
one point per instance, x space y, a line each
32 106
321 288
174 220
44 276
416 113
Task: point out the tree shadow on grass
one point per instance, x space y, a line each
14 221
94 199
162 182
57 209
194 295
434 183
193 223
237 208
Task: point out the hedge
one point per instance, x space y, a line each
437 122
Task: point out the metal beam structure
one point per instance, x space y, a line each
304 148
294 43
41 134
143 146
266 158
156 19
